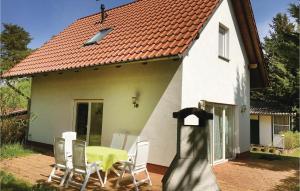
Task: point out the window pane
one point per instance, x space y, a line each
218 134
82 120
221 42
96 124
281 120
100 35
229 124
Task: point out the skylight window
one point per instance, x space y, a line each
100 35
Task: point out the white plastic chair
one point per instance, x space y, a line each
130 145
117 141
61 161
80 165
69 137
139 164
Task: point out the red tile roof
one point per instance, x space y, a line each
144 29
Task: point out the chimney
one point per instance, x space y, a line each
102 13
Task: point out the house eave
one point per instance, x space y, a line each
163 58
250 37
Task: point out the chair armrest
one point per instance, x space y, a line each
98 162
131 157
126 162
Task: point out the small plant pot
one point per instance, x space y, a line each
272 150
263 150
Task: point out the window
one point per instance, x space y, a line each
100 35
88 120
281 124
223 43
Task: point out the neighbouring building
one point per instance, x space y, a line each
268 123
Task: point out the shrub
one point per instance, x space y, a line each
291 140
13 130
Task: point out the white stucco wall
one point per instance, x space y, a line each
159 86
207 77
265 130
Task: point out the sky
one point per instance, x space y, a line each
45 18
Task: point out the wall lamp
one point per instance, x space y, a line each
135 102
243 108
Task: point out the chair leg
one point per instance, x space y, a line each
121 176
64 177
69 179
134 180
100 179
148 177
51 174
115 171
85 182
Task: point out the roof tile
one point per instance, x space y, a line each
143 29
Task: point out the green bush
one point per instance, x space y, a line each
13 150
13 130
291 140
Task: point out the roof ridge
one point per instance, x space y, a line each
117 7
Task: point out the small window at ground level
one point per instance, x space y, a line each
281 124
223 42
100 35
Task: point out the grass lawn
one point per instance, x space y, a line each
295 153
10 183
14 150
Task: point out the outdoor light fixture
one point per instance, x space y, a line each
134 102
243 108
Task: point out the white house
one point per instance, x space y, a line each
145 60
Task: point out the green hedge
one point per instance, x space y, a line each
291 140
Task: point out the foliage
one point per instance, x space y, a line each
13 130
14 150
291 140
11 100
10 183
282 53
14 41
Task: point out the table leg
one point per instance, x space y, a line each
105 177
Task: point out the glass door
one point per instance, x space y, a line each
88 121
218 134
221 130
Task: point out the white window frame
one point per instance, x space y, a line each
273 125
89 102
225 53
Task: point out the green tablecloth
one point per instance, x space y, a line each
107 155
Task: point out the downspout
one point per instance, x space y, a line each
28 106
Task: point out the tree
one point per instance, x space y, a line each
282 53
14 41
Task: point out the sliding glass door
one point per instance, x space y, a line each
221 132
88 120
218 133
